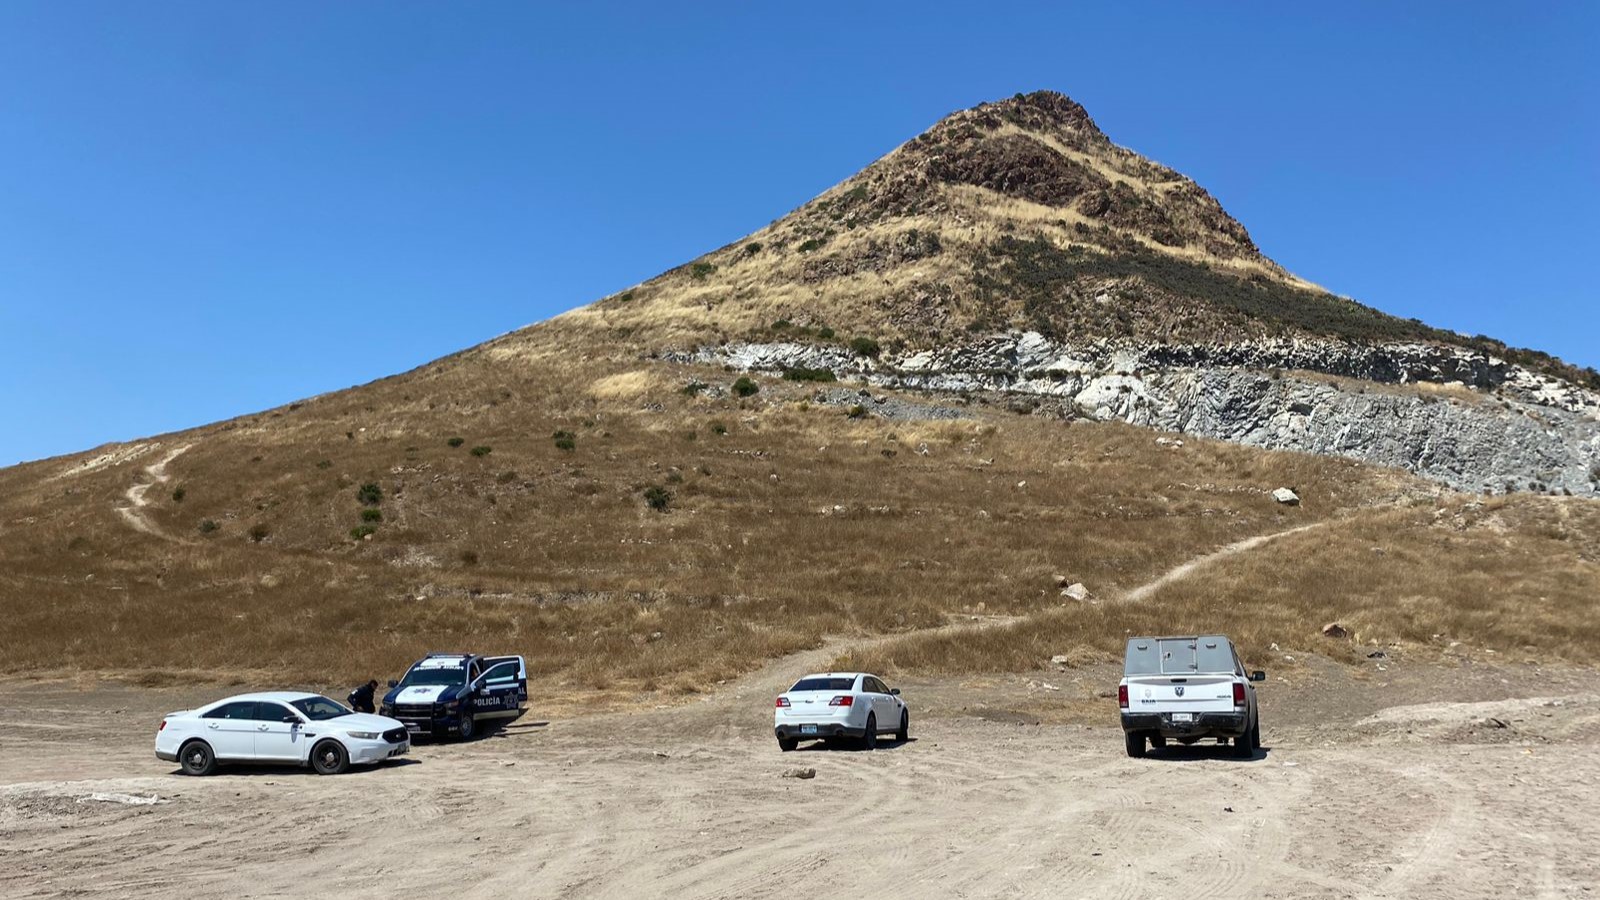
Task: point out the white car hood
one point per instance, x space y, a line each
422 693
362 722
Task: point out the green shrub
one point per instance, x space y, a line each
825 333
693 388
752 248
361 531
744 387
810 244
325 464
369 494
864 346
801 373
469 557
658 497
625 297
207 526
781 324
456 441
178 495
719 428
858 412
481 450
702 270
565 440
259 532
371 515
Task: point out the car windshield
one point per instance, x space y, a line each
823 684
434 675
319 709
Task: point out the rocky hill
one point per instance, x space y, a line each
924 399
1014 248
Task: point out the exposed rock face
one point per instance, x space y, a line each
1495 427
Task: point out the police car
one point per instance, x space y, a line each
454 693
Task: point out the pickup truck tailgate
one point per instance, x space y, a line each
1173 693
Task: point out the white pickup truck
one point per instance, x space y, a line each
1188 689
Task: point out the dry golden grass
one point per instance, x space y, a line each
796 523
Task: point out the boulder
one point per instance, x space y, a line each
1335 630
1286 497
1075 591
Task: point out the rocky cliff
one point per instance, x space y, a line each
1461 417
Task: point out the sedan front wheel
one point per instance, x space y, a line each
329 758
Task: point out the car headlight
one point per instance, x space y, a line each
363 735
452 706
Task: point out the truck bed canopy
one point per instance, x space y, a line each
1210 654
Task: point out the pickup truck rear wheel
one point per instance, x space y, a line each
1244 746
196 758
1157 742
788 744
1135 742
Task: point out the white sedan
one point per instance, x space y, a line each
852 705
279 727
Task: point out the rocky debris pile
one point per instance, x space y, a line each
1286 496
801 772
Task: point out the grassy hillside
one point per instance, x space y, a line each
638 528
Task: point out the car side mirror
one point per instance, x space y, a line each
895 691
393 683
1258 675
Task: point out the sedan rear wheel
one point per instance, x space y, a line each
329 758
869 740
196 758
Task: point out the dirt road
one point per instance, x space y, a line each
1416 801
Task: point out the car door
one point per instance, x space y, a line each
230 729
277 739
505 685
882 703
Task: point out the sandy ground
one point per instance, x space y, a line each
1363 791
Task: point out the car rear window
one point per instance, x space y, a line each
823 684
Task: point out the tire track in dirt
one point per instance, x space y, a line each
134 512
1184 570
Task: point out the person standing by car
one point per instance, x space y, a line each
360 699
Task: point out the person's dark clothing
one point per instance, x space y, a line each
361 699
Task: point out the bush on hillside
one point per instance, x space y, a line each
801 373
372 515
481 450
369 494
658 497
744 387
456 441
565 440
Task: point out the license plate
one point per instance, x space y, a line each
1183 717
413 729
808 729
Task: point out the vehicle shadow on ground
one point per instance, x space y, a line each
1179 753
851 746
253 770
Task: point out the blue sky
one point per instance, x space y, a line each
209 208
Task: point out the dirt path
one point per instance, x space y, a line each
134 513
681 803
1186 569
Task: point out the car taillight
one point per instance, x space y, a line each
842 700
163 725
783 702
1122 696
1238 694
